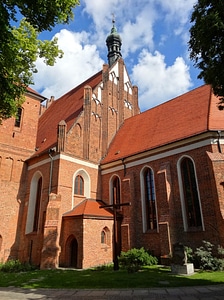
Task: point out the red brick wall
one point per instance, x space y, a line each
71 228
97 125
87 232
62 184
23 138
95 253
216 161
170 220
16 145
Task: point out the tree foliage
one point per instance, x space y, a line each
206 43
20 46
134 259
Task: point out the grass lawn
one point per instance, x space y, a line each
155 276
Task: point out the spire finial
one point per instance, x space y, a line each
113 19
113 44
113 29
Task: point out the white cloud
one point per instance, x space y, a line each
135 19
139 33
142 24
177 10
177 13
158 82
80 61
134 22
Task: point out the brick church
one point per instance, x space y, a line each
72 166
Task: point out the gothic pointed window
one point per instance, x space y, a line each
116 191
37 205
150 200
191 203
105 236
79 185
34 206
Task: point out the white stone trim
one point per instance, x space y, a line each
106 169
87 184
67 158
32 201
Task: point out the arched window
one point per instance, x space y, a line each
149 200
78 130
105 236
18 118
190 195
79 185
33 214
37 206
116 191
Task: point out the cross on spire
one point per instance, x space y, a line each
113 42
113 18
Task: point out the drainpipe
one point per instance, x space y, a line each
50 152
219 145
124 166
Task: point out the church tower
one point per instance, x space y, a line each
113 42
119 97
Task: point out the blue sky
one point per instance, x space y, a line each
154 36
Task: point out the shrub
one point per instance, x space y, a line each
189 253
134 259
221 251
104 267
205 258
15 266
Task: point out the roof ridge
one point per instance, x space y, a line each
83 209
80 85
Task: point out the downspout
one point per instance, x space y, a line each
218 141
124 166
51 151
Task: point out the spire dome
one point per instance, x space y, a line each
113 42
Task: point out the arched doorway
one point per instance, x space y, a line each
74 253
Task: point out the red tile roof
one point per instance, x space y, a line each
187 115
67 108
32 91
35 93
89 208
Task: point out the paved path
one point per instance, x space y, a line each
211 292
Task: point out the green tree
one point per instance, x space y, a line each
206 43
20 46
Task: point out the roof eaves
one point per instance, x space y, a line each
122 158
35 94
89 216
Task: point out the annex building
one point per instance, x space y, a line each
62 164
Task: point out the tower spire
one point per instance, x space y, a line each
113 19
113 42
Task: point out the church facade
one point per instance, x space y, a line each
88 175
